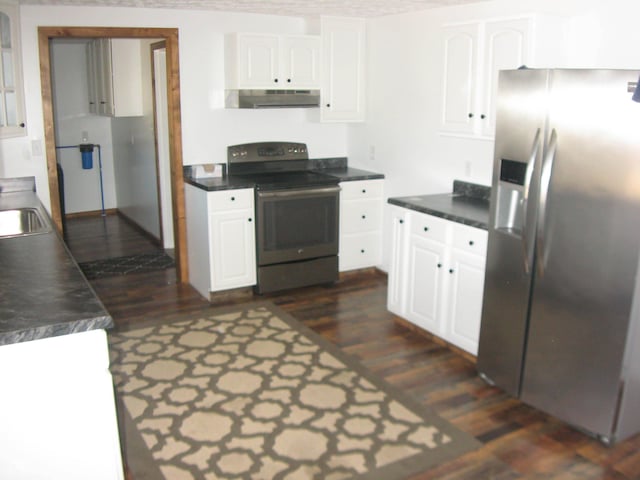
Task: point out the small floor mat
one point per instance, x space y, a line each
139 263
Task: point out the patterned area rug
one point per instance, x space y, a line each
248 392
142 262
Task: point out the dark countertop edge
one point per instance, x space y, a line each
350 174
439 213
102 322
218 183
343 174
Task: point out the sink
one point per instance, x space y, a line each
22 221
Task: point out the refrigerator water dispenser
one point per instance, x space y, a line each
509 215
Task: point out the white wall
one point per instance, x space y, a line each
72 118
405 80
135 156
164 163
207 128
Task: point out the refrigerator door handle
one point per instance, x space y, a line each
545 182
527 243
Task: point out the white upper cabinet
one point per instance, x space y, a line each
343 69
114 69
264 61
474 53
300 61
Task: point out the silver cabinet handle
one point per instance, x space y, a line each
527 247
545 183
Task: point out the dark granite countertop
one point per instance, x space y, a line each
42 290
219 183
336 167
467 204
348 174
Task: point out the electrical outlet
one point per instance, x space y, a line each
36 148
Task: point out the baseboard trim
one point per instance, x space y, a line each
440 341
91 213
152 238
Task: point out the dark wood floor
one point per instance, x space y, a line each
519 442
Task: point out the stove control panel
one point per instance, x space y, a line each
267 151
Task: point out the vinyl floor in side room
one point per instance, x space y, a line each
519 442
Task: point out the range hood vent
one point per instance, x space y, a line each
272 98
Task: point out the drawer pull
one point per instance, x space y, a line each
251 220
439 265
364 191
471 242
401 221
362 250
233 199
364 216
451 270
426 229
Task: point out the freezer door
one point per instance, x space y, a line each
587 250
520 128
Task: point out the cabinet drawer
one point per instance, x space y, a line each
470 239
428 226
360 216
361 189
359 251
229 200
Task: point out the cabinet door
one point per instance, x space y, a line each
92 76
104 84
507 46
466 284
258 61
343 50
357 216
461 50
232 240
397 275
300 62
425 283
126 77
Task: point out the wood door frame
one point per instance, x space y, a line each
170 36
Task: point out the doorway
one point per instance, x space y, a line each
170 39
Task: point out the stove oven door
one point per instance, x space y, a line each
297 224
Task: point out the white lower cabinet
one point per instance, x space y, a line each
220 238
465 299
58 410
396 288
436 275
360 224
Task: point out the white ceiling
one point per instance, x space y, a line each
298 8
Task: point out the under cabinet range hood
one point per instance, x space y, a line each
272 98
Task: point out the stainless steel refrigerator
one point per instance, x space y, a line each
561 303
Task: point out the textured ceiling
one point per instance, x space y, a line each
298 8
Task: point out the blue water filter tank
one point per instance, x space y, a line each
86 150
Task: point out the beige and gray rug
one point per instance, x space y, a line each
251 393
